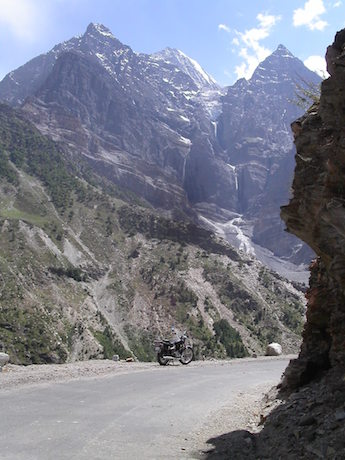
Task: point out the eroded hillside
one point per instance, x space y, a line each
88 270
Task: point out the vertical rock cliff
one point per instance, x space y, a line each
316 214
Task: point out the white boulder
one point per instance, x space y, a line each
4 359
273 349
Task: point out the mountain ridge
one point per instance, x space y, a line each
176 145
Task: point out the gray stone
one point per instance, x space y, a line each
340 415
307 420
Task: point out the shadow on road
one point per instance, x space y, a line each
236 445
309 424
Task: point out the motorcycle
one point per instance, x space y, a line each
178 348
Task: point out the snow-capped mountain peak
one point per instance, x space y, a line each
98 37
189 66
100 29
278 67
282 51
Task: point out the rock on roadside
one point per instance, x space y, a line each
274 349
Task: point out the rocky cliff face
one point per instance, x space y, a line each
135 117
160 126
254 130
316 214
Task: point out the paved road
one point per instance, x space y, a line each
145 415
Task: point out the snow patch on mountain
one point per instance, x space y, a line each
198 68
187 65
238 233
232 232
103 30
211 100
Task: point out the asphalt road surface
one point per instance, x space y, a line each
144 415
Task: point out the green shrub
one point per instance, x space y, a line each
70 272
111 345
230 338
141 343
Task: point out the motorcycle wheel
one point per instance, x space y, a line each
187 355
162 361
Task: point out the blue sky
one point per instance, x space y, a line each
227 37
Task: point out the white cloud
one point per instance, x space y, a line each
251 50
317 64
337 4
224 27
23 18
310 15
267 20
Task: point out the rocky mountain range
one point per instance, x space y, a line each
160 126
117 168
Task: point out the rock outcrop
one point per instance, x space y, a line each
316 214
